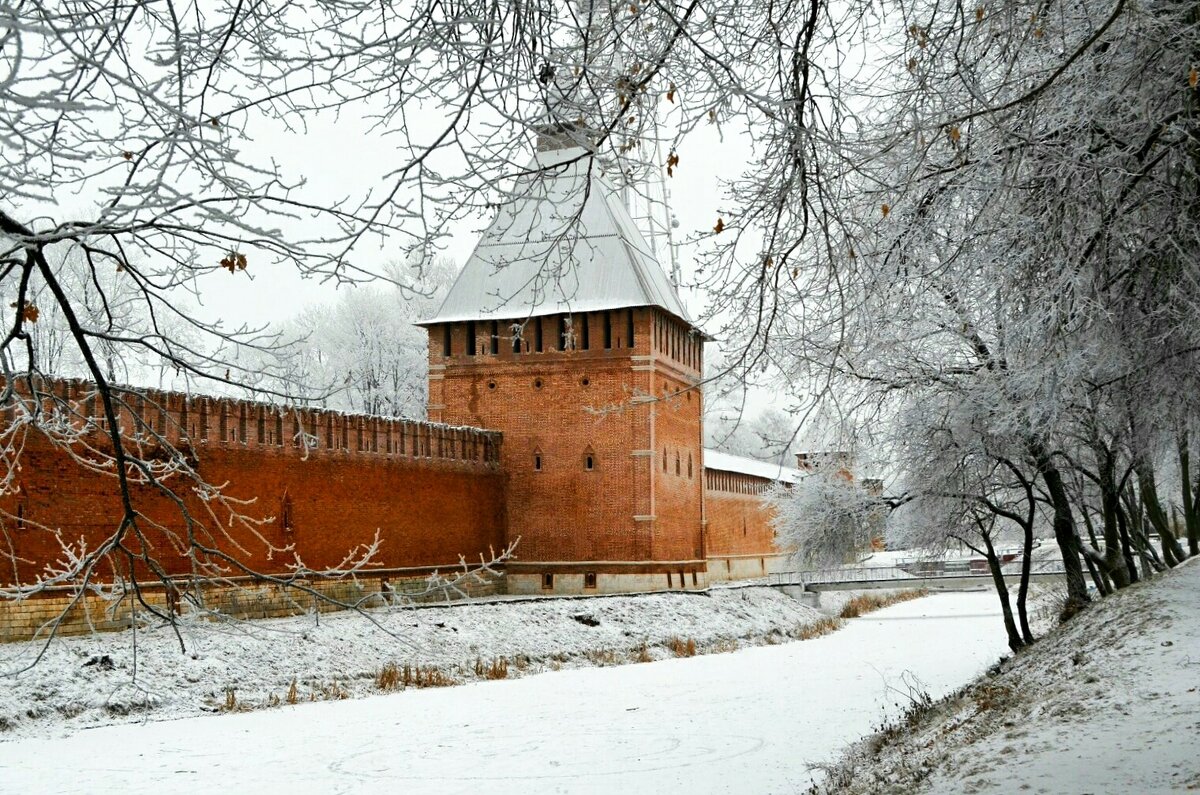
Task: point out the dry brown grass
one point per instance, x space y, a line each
426 676
818 628
643 655
990 696
388 677
496 669
293 695
867 603
604 657
682 648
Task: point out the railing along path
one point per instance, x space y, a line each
912 572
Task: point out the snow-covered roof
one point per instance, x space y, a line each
715 459
565 243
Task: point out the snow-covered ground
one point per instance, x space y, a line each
745 721
1108 703
89 681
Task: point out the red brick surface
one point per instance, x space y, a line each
739 521
436 499
564 405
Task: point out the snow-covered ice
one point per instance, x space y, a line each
747 721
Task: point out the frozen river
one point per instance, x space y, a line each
748 721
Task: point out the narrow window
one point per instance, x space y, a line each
285 514
664 459
589 460
585 337
607 330
471 338
670 582
537 460
589 579
547 582
21 517
563 332
537 334
629 328
495 337
677 463
516 337
446 347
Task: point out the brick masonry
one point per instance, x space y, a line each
592 456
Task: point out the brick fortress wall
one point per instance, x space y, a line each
741 538
322 483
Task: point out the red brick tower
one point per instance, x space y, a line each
564 333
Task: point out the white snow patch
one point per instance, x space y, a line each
259 659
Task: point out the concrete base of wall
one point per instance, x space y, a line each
64 614
741 567
573 584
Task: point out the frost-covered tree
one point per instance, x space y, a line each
825 518
364 353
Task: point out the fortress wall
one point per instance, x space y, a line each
739 533
313 484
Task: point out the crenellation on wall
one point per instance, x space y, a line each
154 415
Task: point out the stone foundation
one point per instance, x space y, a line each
65 614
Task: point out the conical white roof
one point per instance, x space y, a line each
564 243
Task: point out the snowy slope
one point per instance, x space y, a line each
1108 703
88 681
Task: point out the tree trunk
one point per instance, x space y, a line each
1190 518
1064 524
1023 588
1151 563
1172 552
1091 556
1126 548
1109 503
1014 638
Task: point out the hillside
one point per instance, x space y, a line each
1107 703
